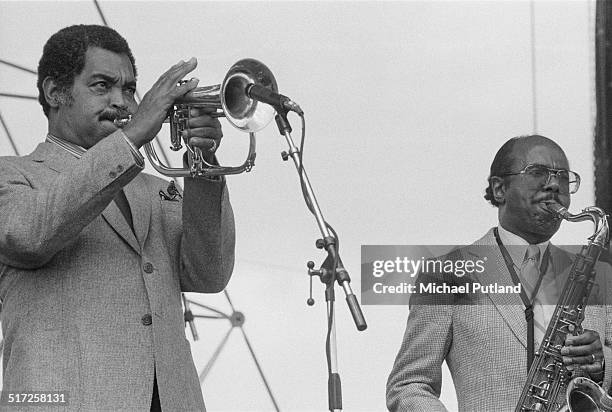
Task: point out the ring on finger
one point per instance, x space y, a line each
592 358
214 147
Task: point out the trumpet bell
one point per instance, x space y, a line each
240 110
231 96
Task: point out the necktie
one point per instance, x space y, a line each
530 274
124 207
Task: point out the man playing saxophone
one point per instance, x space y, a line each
486 343
94 254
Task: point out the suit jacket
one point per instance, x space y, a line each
89 306
483 342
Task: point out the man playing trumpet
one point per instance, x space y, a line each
92 259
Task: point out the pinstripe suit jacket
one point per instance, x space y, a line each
483 343
79 287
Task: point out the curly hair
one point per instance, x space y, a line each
64 55
506 157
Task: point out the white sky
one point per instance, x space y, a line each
406 104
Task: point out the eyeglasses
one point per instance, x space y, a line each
569 181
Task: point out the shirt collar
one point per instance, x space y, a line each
74 149
518 245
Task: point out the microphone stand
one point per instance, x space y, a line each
331 270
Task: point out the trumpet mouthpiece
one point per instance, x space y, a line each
120 122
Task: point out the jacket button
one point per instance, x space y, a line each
119 169
148 267
112 175
146 319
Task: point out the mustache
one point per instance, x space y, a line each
113 115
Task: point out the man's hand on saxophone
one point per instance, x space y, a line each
585 352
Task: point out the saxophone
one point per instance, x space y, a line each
548 378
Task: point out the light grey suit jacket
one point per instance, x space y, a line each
483 342
89 306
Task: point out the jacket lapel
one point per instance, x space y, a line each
115 219
59 160
138 195
561 263
509 305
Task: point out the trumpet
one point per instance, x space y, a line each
231 101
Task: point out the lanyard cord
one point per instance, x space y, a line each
526 301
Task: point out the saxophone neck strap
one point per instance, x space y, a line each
526 301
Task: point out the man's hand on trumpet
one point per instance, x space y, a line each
203 131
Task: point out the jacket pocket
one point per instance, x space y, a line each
45 361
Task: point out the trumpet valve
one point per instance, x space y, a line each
179 118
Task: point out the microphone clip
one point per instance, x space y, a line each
281 103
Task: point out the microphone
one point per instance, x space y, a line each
278 101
